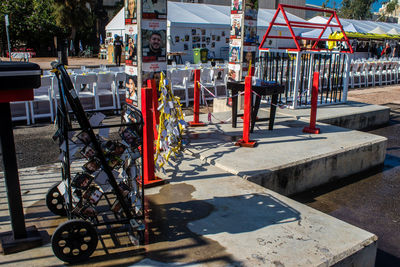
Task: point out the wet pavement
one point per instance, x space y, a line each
369 200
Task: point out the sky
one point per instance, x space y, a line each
375 6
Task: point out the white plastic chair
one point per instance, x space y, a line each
43 94
206 79
120 77
89 81
105 86
179 84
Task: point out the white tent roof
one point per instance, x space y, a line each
362 26
393 31
117 22
378 30
202 15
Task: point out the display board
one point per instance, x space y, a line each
243 37
153 32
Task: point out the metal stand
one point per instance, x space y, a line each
19 238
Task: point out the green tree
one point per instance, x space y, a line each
32 22
356 9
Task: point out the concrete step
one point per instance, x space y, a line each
287 160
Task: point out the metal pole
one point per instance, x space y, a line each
139 51
11 173
8 35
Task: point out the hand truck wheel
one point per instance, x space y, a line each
74 241
55 201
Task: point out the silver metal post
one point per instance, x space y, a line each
8 35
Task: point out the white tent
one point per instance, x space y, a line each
362 26
116 25
212 20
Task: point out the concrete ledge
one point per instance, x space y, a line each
287 160
312 172
352 115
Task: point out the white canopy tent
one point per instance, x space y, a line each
362 26
116 26
212 20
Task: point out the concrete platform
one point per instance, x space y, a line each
352 115
287 160
206 217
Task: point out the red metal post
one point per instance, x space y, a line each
156 115
314 100
245 141
196 105
149 176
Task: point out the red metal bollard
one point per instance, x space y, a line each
149 176
246 142
314 100
156 114
196 105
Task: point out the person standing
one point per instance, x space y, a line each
118 44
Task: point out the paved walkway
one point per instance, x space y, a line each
73 62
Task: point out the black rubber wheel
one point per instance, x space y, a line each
55 201
74 241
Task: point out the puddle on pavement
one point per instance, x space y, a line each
170 240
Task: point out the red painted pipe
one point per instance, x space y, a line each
149 176
314 104
196 106
156 114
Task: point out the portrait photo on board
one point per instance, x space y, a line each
131 90
154 45
130 11
251 9
236 25
237 6
154 9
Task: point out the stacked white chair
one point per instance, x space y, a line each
207 80
120 78
104 87
85 88
43 94
179 84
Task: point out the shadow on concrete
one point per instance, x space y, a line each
178 224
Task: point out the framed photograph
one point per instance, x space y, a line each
129 136
185 47
92 165
213 44
203 38
186 38
218 38
88 152
203 45
84 137
82 180
203 32
223 33
193 31
177 39
208 40
92 195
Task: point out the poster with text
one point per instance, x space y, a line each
237 7
251 9
131 90
236 25
130 46
130 11
154 9
249 55
234 72
154 40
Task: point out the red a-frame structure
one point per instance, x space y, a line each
301 24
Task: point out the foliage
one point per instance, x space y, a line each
356 9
